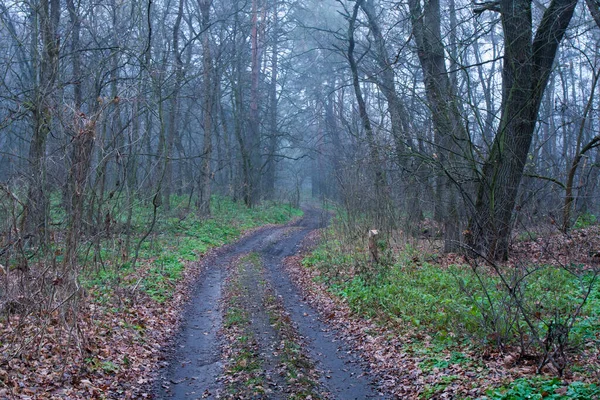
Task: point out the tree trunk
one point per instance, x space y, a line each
205 175
83 140
526 70
253 142
451 139
273 137
173 111
579 153
37 200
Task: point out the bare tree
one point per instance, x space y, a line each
527 65
451 139
46 15
208 86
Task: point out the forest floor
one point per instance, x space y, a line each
278 314
263 323
103 334
407 318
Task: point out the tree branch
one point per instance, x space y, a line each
594 7
486 6
546 178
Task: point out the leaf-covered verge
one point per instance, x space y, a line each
107 340
422 329
262 351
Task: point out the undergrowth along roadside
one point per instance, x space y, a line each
109 342
440 312
179 239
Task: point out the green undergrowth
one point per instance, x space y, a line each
179 236
459 308
445 300
420 295
540 388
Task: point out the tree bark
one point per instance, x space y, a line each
579 153
273 137
526 70
205 175
253 141
174 109
83 134
48 17
451 137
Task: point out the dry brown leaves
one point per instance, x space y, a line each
549 247
401 368
106 345
581 246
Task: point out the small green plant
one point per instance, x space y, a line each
536 388
526 236
584 220
429 391
94 364
109 367
235 316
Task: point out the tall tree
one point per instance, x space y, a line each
273 135
82 131
528 61
253 143
178 74
207 110
46 13
451 153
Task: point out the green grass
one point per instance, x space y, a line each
424 296
452 308
177 240
434 298
540 388
585 220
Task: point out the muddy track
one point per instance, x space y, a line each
195 367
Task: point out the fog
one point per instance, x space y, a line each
480 119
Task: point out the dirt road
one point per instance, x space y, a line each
196 365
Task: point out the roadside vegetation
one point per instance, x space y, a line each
527 328
444 127
101 331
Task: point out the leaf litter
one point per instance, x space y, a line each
409 365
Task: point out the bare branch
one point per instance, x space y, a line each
486 6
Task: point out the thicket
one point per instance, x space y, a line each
144 251
539 313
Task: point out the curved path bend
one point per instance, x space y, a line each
195 367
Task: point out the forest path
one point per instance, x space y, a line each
196 366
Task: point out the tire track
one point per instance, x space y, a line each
196 368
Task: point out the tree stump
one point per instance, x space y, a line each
373 249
